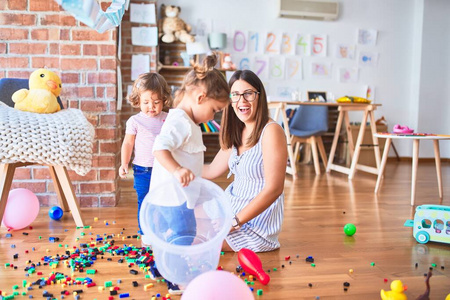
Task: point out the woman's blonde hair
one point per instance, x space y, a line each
150 82
205 74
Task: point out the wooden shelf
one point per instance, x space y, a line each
176 68
183 68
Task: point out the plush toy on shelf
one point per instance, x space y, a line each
172 27
45 87
227 64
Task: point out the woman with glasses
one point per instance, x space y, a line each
254 150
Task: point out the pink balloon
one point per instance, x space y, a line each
217 285
21 209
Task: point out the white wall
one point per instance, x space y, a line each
434 100
402 66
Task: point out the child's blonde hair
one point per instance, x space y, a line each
150 82
212 79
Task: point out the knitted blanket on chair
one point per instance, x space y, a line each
62 138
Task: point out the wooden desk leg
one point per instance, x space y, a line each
66 185
415 160
335 139
292 159
437 158
322 152
376 147
348 130
6 178
355 156
59 191
387 145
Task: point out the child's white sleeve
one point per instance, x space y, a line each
173 134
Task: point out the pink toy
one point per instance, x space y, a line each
21 209
402 129
217 285
251 264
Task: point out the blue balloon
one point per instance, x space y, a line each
55 213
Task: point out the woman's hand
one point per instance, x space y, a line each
183 175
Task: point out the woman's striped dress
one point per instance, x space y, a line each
261 233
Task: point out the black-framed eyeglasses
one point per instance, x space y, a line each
248 95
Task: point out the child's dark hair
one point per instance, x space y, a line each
150 82
212 79
231 126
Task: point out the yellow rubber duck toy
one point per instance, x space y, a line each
396 292
45 87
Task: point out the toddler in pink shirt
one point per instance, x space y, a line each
151 94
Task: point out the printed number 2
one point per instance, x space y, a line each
271 38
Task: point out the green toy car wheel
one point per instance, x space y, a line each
422 237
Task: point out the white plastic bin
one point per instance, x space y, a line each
186 227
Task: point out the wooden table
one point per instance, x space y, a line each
416 140
343 108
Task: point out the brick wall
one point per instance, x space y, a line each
36 34
127 51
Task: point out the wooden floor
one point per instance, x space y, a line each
316 209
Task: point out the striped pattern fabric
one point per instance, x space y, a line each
261 233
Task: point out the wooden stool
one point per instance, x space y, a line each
415 158
63 186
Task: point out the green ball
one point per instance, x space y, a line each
349 229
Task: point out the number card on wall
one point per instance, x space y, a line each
288 44
273 43
319 45
240 42
261 67
243 62
276 67
293 68
303 45
255 42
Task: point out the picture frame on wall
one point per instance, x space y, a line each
316 96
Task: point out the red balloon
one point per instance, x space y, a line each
251 264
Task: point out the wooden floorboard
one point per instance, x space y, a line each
316 209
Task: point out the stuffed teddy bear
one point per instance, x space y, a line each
45 87
227 64
172 27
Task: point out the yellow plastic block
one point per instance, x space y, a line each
148 286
